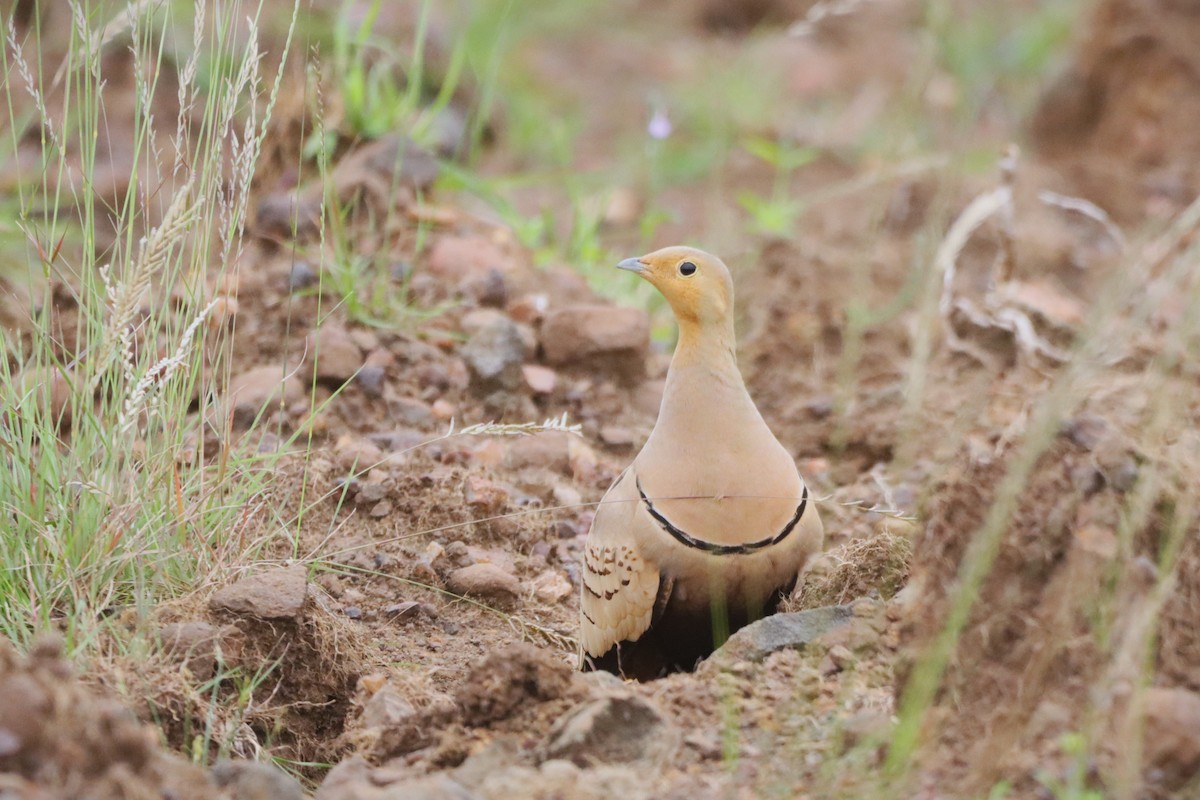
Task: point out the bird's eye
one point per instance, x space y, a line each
687 268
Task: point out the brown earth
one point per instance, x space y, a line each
425 646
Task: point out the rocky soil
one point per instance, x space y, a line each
415 631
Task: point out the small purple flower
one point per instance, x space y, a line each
660 125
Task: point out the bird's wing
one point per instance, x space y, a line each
620 588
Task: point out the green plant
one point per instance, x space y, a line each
777 214
110 500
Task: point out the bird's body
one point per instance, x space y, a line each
710 525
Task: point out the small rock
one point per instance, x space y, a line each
617 436
548 450
551 586
486 581
403 612
489 289
410 411
604 337
277 594
353 612
494 356
333 355
619 729
455 260
484 497
583 460
370 378
837 659
357 454
567 496
443 409
381 509
539 379
255 780
779 632
258 391
302 276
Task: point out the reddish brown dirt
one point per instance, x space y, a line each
394 676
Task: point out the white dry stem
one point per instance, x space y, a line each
31 85
516 428
975 214
186 98
161 372
126 297
1087 209
819 12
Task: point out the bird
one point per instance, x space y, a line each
711 524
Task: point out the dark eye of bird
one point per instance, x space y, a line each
687 268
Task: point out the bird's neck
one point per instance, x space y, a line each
710 348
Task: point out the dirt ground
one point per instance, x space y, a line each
424 647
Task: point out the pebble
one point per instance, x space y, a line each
539 379
551 586
455 260
332 355
484 496
302 276
410 411
403 612
494 356
486 581
370 379
261 389
617 436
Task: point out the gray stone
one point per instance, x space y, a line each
255 780
354 779
780 632
619 729
277 594
302 276
494 356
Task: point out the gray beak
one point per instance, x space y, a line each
633 265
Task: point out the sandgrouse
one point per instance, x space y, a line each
710 525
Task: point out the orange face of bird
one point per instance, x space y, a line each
696 284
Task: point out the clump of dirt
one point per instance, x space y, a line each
300 673
59 739
1061 618
1119 122
877 565
510 678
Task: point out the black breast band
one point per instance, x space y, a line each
722 549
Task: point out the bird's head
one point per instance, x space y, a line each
696 284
